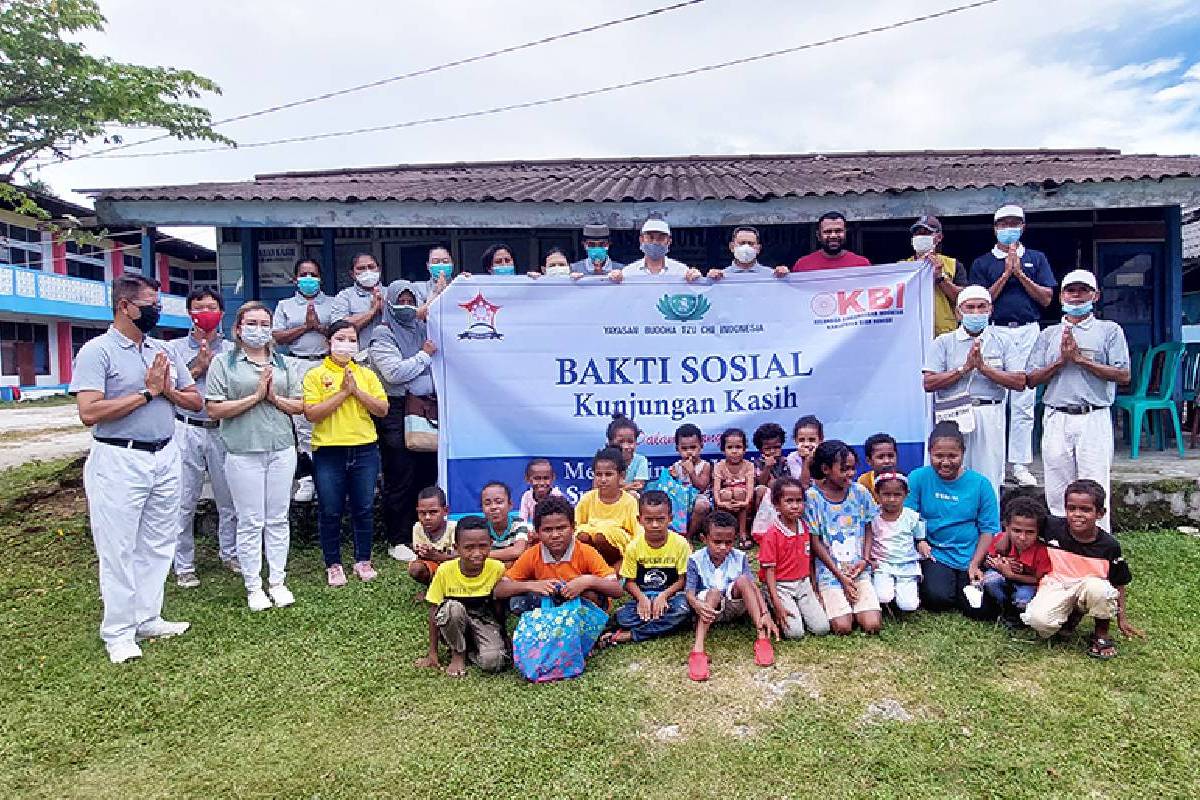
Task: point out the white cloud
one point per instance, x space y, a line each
1008 75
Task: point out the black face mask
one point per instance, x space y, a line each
148 319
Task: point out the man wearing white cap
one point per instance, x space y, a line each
655 241
1021 284
1081 360
968 370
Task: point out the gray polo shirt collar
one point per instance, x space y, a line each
566 556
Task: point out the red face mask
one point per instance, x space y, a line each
206 321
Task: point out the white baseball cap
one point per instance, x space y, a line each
973 293
656 225
1009 211
1079 276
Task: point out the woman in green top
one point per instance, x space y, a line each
253 393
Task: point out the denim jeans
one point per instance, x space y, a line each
1006 592
675 616
340 472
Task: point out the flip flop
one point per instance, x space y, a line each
764 653
698 666
1102 648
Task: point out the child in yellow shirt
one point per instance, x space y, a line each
606 517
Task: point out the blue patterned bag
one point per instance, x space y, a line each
552 643
682 497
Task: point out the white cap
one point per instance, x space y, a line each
1009 211
1079 276
973 293
653 224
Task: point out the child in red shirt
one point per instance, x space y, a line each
1016 560
785 555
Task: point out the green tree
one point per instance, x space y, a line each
54 96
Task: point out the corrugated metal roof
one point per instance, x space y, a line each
749 178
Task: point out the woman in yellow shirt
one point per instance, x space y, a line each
340 397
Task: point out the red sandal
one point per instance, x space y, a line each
698 666
764 653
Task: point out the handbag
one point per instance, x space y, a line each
552 643
421 422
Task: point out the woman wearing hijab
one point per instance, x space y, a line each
401 353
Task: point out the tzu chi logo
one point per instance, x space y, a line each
683 307
481 319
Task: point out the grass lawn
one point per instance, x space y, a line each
322 701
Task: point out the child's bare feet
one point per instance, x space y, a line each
457 667
428 662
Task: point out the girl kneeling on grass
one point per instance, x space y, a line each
894 557
340 398
840 512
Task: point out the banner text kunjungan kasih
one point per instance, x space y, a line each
689 370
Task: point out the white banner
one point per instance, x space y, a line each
531 368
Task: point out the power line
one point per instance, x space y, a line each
572 95
403 76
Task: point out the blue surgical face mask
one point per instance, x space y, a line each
308 285
441 271
975 323
504 269
1008 236
1081 310
598 254
654 250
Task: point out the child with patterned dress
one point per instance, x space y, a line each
894 557
733 482
840 512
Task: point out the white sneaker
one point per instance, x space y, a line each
258 600
402 552
1023 476
120 652
305 490
161 629
187 580
281 595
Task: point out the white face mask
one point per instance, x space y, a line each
558 271
255 335
344 349
922 244
745 254
368 279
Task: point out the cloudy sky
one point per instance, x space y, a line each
1017 73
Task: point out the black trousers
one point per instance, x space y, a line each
405 474
941 589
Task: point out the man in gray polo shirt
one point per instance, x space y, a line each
200 448
128 386
300 323
1081 360
746 246
969 370
596 242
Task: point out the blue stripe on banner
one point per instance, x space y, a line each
465 478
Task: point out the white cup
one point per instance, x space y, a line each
974 595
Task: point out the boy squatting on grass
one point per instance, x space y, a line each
1088 574
462 611
433 535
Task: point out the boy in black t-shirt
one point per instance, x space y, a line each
1088 574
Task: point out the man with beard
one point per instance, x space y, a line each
831 231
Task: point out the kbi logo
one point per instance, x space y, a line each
849 303
481 319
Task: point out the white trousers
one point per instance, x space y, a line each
202 451
1077 446
261 484
133 507
901 589
985 445
1020 404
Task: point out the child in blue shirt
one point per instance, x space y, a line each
623 434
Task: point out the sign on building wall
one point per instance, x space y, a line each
275 263
537 368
